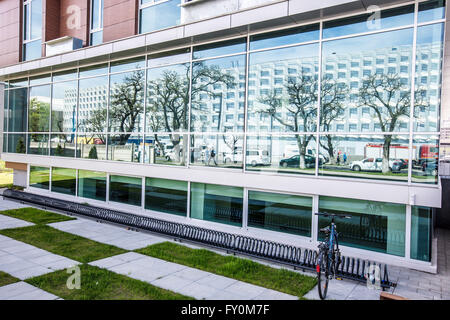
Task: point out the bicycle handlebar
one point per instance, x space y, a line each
326 214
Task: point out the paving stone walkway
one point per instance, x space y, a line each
10 223
25 261
24 291
185 280
109 234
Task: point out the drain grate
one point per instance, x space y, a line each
299 258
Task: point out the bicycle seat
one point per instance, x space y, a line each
326 230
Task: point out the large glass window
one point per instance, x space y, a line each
283 154
64 106
126 108
421 233
64 180
376 226
285 37
168 98
127 190
385 94
166 149
360 156
32 29
151 11
285 96
17 143
125 147
38 144
429 52
62 145
39 177
91 146
217 150
92 110
425 159
372 21
18 105
96 28
169 196
39 109
128 64
217 203
280 212
431 10
214 86
92 185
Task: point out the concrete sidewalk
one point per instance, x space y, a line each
25 261
185 280
24 291
109 234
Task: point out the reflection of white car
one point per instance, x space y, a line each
369 164
171 156
258 157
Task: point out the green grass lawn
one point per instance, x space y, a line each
36 216
101 284
63 243
6 278
237 268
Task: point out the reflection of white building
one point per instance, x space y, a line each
90 99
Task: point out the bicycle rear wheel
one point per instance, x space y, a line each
322 275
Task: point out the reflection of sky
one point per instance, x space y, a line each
41 91
157 73
225 63
172 58
299 52
60 90
280 38
65 75
431 33
430 14
361 24
372 42
229 47
133 64
101 69
92 83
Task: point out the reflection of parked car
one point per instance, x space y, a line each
398 165
171 155
232 157
294 161
369 164
430 167
258 157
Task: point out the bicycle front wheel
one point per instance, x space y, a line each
322 275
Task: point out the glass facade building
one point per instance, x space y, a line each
331 101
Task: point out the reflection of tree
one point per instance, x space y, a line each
390 99
231 142
39 115
301 110
127 104
169 96
20 147
96 123
333 96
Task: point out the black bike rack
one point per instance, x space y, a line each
296 257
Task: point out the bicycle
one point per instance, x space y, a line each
329 256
